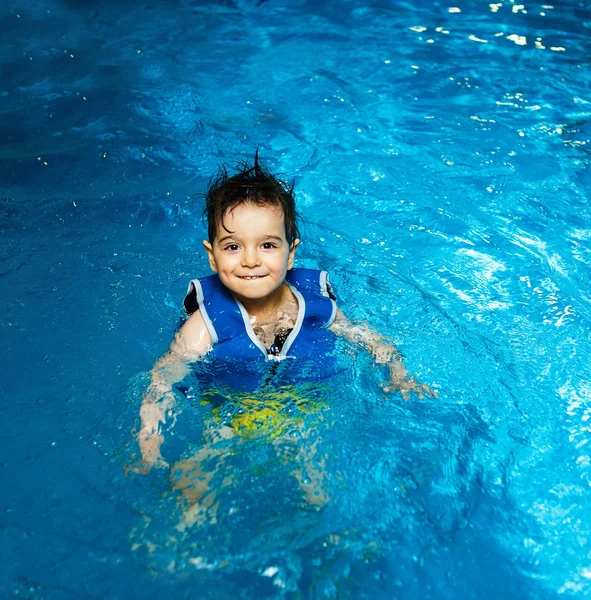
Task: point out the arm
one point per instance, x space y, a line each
190 343
385 353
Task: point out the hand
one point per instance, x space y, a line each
401 381
143 467
151 458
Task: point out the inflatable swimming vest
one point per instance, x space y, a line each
231 332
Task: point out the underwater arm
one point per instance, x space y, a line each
384 352
190 343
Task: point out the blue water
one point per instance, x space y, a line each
441 154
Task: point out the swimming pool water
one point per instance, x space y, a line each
441 159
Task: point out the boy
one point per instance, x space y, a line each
257 308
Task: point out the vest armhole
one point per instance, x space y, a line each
325 287
190 302
326 291
333 314
194 301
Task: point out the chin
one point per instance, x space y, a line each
250 290
252 295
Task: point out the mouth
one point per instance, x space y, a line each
251 277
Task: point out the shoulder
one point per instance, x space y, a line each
340 322
200 290
312 280
312 287
192 340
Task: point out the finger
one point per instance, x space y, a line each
405 395
388 386
431 393
141 468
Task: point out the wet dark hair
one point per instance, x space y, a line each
251 184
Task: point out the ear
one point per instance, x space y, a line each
210 255
292 251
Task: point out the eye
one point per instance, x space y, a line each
231 247
269 245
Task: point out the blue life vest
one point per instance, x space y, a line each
231 332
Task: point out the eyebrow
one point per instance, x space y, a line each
265 237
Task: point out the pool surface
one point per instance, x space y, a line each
441 156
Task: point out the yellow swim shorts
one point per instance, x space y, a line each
266 413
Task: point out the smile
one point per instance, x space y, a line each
252 277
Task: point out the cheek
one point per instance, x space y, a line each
226 268
278 263
225 262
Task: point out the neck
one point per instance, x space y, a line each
259 308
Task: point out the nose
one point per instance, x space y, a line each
250 258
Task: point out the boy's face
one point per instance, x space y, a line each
253 260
